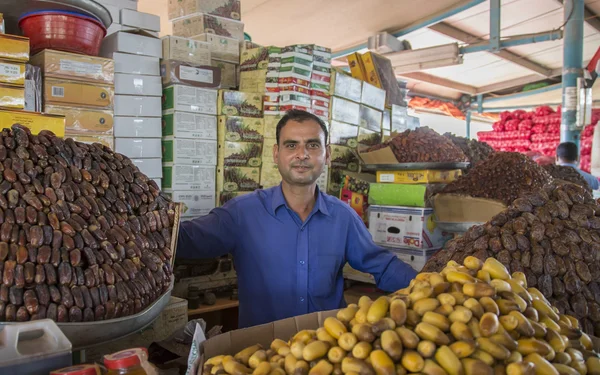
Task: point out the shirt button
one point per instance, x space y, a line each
301 299
302 262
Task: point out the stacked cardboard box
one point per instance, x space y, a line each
216 22
137 99
14 54
115 7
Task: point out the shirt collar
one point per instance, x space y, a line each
574 165
278 200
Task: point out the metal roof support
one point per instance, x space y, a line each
590 17
439 81
480 103
468 127
428 21
515 41
522 94
494 25
572 68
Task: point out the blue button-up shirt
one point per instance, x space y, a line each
591 180
287 267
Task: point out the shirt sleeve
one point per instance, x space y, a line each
391 274
208 236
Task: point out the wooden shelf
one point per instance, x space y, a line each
221 304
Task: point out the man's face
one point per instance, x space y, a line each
301 154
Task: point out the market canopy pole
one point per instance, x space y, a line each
572 68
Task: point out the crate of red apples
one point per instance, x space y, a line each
538 130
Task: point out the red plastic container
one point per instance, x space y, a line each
62 31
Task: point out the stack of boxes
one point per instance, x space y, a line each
80 88
138 98
115 7
14 54
189 121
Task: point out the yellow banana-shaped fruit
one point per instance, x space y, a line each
432 368
412 361
580 366
348 313
278 344
489 324
461 331
321 368
504 339
474 366
520 278
484 357
564 369
215 361
571 332
361 314
446 358
348 340
420 294
531 314
519 289
362 350
512 296
437 320
398 311
514 357
426 348
573 320
363 332
593 366
495 350
506 306
520 368
409 339
382 363
424 305
304 335
496 269
278 371
323 335
444 310
484 276
302 368
296 349
531 345
508 322
382 325
463 349
355 365
391 344
315 350
501 285
436 279
524 326
475 307
473 263
334 327
257 358
430 332
460 314
586 341
489 305
542 366
233 367
412 318
478 290
378 309
290 361
460 297
562 358
446 299
459 277
263 368
539 329
364 301
335 355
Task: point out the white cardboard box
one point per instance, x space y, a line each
189 151
131 43
186 50
135 64
121 4
190 99
133 84
137 127
197 203
188 177
373 96
222 48
139 147
137 106
113 28
405 227
189 125
150 167
115 13
140 20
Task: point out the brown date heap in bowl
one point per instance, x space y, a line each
84 235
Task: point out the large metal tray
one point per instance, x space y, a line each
455 227
14 9
413 166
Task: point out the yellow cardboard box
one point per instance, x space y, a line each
34 121
14 47
57 64
12 97
73 93
356 66
84 120
12 73
425 176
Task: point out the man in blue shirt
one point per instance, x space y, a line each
567 154
291 242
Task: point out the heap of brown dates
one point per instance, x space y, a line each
84 235
553 237
422 145
475 151
565 173
504 176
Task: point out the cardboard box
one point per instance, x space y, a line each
138 127
382 156
12 73
34 121
105 140
71 66
453 208
373 96
201 23
356 66
370 118
14 47
254 59
226 196
223 8
426 176
240 154
345 111
196 203
137 106
73 93
189 125
189 151
253 81
343 134
12 97
176 72
342 157
344 86
229 73
238 178
267 150
134 44
237 103
133 84
188 177
386 122
186 50
114 28
139 20
121 4
190 99
368 138
399 119
417 195
84 120
269 174
380 73
151 167
405 227
222 48
271 122
240 129
144 65
139 148
33 89
334 181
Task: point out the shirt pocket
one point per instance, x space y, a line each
324 275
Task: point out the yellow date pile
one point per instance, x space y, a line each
468 319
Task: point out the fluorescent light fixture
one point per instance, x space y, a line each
385 43
425 58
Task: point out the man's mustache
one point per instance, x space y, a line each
307 165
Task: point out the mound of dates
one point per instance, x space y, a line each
568 174
84 235
475 150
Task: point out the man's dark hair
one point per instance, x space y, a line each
568 152
299 116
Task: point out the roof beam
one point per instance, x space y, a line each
462 36
442 82
517 82
590 17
